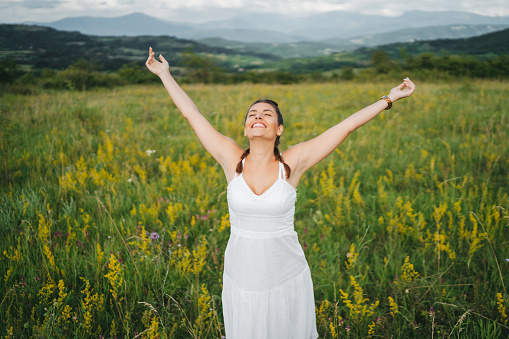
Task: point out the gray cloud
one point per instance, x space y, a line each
36 4
193 10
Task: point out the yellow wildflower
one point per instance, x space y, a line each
393 306
501 307
114 276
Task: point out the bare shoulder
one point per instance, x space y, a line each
292 158
232 161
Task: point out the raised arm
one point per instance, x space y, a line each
303 156
222 148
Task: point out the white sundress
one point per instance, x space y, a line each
267 287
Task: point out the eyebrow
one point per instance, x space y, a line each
265 110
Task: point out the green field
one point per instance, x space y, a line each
114 218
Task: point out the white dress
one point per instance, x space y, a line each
267 286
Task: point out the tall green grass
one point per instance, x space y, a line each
115 220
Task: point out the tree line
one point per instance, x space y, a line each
196 68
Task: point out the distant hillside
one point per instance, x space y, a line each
36 47
413 34
482 46
307 49
304 49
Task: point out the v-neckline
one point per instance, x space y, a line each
268 189
262 194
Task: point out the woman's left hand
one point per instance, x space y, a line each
405 89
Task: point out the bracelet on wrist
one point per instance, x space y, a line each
389 101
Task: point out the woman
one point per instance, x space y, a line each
267 287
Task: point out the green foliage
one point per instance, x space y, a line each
347 73
200 68
458 66
380 62
134 73
8 71
80 75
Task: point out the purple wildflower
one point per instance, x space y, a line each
154 236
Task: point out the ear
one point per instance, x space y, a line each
245 133
280 130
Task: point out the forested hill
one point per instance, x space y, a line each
486 45
37 47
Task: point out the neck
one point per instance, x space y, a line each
261 150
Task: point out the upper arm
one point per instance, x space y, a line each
222 148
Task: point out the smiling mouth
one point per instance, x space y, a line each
258 125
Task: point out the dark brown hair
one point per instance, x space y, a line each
277 154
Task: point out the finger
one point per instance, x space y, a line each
410 84
149 60
162 58
150 50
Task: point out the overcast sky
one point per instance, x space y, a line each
12 11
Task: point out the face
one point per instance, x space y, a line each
262 121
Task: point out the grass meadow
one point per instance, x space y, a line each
114 219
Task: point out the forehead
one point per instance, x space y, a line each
261 106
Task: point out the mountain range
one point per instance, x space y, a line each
333 28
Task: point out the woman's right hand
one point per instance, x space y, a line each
156 67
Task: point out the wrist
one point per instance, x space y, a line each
388 100
165 74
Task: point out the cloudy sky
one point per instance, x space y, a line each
13 11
